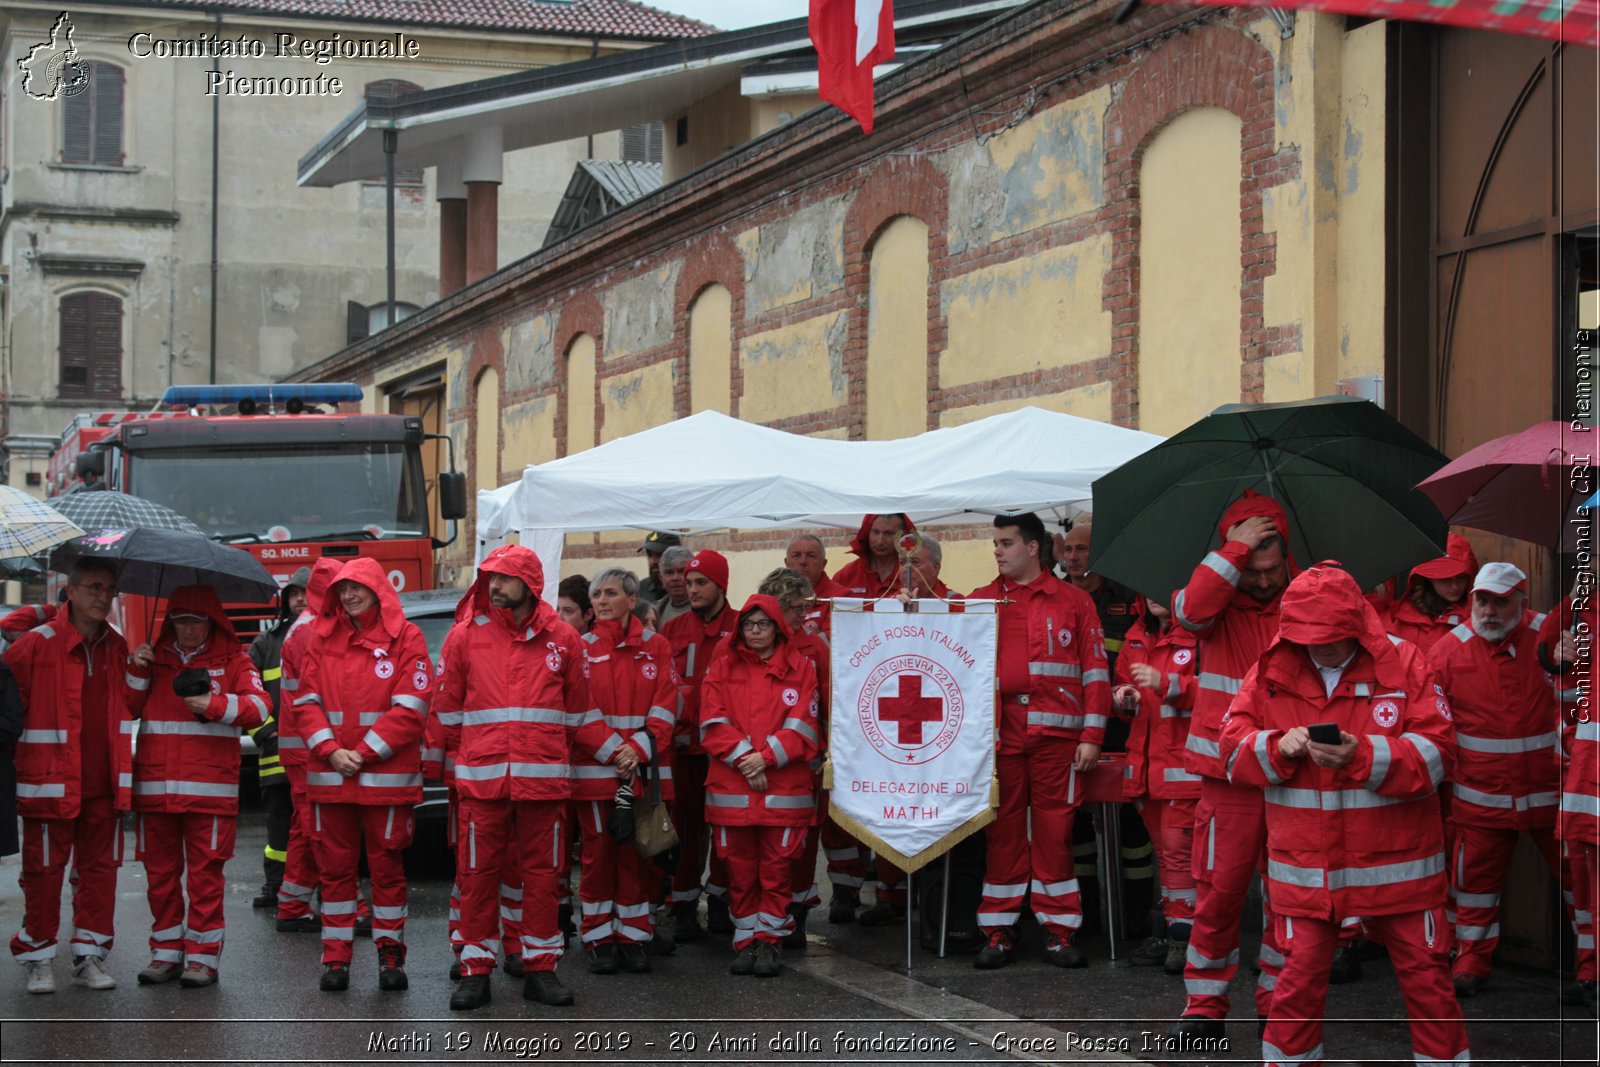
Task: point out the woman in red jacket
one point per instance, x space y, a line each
362 705
632 683
1437 596
758 723
186 777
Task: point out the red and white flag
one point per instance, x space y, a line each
851 37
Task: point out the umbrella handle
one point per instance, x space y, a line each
150 623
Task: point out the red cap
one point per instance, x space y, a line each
713 565
1457 562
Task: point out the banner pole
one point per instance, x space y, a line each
944 906
911 896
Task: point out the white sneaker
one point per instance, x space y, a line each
41 976
89 971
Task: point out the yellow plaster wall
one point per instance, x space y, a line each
1089 402
1039 311
530 433
793 369
715 124
1188 268
580 393
1360 176
711 351
897 331
637 400
486 460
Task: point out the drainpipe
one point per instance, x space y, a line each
594 50
216 126
391 143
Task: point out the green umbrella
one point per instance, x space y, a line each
1343 469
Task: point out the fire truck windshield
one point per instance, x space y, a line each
299 493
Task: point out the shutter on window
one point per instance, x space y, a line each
634 144
105 84
355 322
77 128
657 135
75 345
105 346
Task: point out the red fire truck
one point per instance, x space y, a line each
279 472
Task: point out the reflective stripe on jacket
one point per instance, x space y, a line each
632 682
1161 725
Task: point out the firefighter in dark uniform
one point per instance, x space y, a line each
265 653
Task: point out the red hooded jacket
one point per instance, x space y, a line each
512 697
182 763
1408 623
1232 626
49 661
297 644
1161 724
366 690
1367 838
857 578
1579 819
631 680
694 644
768 706
1508 728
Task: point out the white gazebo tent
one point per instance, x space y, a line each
710 472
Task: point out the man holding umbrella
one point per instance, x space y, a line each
1231 604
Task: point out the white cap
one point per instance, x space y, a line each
1501 579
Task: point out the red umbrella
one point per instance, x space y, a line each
1526 485
1573 21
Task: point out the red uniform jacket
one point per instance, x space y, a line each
366 690
1367 838
1069 685
1508 770
183 763
512 699
766 706
1161 725
857 578
694 643
1579 818
631 680
49 662
291 659
1233 629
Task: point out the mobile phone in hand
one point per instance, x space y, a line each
1324 733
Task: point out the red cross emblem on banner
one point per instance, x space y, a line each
910 710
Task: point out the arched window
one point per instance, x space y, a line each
91 347
91 120
387 91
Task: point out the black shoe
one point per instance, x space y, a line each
267 898
1152 953
602 959
305 924
659 945
335 978
473 992
883 914
1468 985
392 969
996 954
1346 966
842 908
1581 993
564 920
1191 1027
1058 953
767 964
1177 955
514 966
686 927
455 970
745 961
718 921
632 960
546 988
796 941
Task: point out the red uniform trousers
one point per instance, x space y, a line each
617 883
510 897
846 857
300 877
340 829
95 839
1582 859
1040 780
1419 948
891 887
689 817
1171 826
168 843
533 834
1479 859
758 860
1230 845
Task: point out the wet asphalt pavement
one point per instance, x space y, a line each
847 999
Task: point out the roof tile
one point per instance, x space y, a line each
578 18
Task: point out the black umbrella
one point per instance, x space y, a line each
1343 469
107 509
155 563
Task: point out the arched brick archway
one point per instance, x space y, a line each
711 261
580 314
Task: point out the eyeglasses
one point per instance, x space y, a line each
758 625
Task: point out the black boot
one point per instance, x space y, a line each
546 988
796 941
392 968
842 908
718 921
472 992
686 923
335 978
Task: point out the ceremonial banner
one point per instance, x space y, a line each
911 734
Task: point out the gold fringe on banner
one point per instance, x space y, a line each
927 855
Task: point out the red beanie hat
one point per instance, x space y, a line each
713 565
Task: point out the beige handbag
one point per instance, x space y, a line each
653 832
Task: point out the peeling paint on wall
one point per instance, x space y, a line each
637 400
794 369
794 258
639 312
529 353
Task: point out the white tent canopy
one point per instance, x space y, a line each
709 472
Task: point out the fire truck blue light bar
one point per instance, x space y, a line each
316 393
